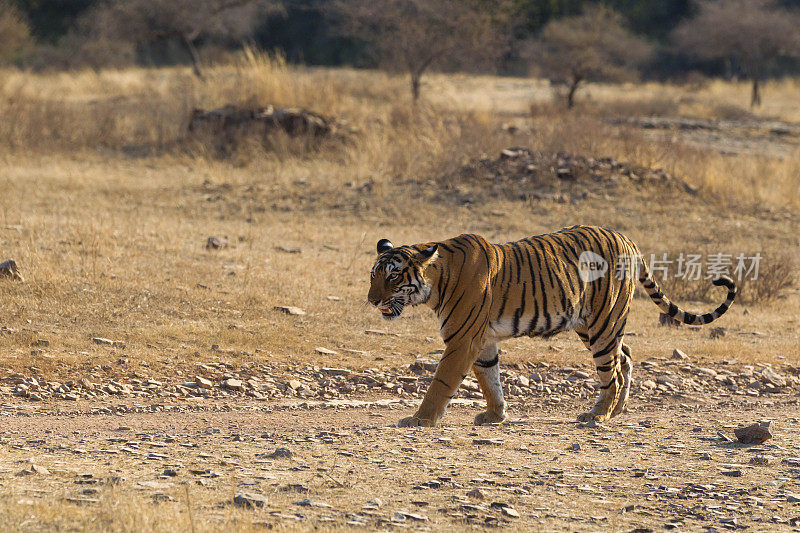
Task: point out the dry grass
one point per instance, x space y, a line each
112 245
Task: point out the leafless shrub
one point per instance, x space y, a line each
591 46
143 21
412 36
753 33
772 282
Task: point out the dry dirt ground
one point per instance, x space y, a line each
175 466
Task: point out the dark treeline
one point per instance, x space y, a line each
303 29
680 36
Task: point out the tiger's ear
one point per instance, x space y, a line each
429 254
384 245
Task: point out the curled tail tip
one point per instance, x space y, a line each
725 281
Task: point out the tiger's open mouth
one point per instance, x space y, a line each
392 312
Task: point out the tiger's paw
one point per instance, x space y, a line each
413 421
597 417
490 417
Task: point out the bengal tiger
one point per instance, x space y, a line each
483 293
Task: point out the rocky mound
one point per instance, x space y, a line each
520 173
226 128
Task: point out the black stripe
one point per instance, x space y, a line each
517 258
605 350
440 380
450 337
488 364
520 310
483 303
503 304
545 310
452 309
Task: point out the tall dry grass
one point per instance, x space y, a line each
141 111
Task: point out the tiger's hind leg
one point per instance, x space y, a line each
625 366
487 371
608 357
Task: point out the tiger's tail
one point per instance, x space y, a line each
668 307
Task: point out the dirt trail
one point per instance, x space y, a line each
662 465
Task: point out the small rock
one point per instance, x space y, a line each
510 511
290 310
576 447
233 384
770 376
478 494
380 332
335 371
717 333
8 269
280 453
754 434
35 469
423 365
734 472
729 522
372 504
249 500
313 503
678 355
793 498
203 383
108 342
414 516
325 351
723 437
648 384
288 250
487 442
760 460
215 243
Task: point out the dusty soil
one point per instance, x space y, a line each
752 135
671 462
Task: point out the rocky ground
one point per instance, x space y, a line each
310 447
520 173
657 377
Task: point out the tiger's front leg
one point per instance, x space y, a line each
453 368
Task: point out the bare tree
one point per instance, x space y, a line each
413 36
186 20
14 31
592 46
753 33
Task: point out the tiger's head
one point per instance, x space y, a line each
398 277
